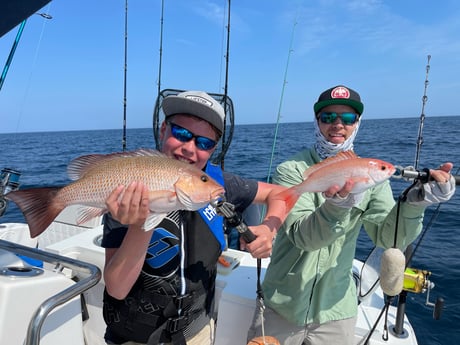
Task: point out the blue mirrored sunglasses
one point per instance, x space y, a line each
184 135
346 118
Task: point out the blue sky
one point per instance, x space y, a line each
67 72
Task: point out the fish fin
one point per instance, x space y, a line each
85 214
361 183
289 196
39 207
341 156
79 166
153 220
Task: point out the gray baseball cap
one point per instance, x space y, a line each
196 103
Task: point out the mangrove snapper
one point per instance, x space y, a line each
336 170
173 185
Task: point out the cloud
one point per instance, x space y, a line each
211 11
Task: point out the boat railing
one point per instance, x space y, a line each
92 273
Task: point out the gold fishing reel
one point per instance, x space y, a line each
416 280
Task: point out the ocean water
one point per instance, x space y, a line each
42 159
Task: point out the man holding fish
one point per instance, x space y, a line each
309 292
160 282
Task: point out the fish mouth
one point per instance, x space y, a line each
217 196
391 170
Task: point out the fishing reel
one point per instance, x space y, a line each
227 210
417 281
9 181
411 174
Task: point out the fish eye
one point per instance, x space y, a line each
204 178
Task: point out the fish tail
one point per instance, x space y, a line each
289 196
39 207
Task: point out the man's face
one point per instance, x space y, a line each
337 131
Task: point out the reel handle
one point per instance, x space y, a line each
227 210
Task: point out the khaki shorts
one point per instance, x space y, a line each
333 332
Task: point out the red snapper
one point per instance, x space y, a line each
336 170
173 185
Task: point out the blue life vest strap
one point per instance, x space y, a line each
209 213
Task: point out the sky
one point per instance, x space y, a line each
68 72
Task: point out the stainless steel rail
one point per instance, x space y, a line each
93 276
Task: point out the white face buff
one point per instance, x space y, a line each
326 149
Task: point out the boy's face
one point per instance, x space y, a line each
187 151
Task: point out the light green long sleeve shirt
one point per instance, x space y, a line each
309 278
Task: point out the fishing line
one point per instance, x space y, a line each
275 138
260 298
45 17
278 118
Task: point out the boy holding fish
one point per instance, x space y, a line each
309 292
160 283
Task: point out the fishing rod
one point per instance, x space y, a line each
422 116
227 58
222 98
12 51
15 45
158 102
412 280
161 47
125 69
